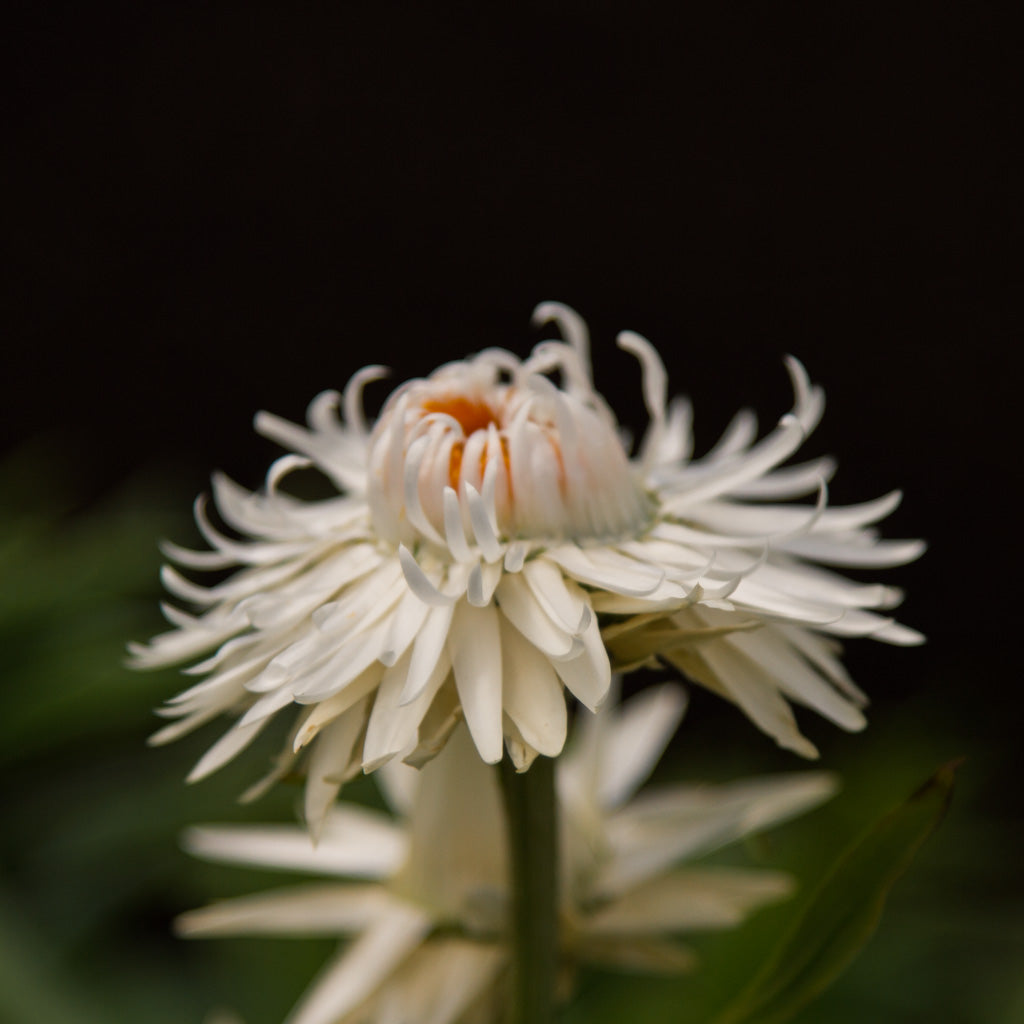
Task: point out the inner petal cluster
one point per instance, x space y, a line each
494 450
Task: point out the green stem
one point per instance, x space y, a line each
533 849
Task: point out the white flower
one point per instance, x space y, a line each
488 526
424 897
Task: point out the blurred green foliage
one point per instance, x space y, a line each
841 913
91 875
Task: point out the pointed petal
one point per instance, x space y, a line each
297 911
355 842
588 676
329 763
690 899
475 646
236 739
363 966
533 696
635 740
520 607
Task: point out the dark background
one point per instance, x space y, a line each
213 209
221 209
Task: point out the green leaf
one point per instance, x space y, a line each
843 911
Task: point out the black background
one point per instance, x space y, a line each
220 208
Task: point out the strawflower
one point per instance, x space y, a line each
423 896
492 542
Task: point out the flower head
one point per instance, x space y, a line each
424 896
492 542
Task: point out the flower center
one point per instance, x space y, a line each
472 414
464 449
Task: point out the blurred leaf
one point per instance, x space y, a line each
843 911
32 986
73 590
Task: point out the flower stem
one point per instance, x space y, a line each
533 849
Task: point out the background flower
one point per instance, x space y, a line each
428 926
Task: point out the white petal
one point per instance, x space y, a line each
521 608
236 739
440 982
755 596
242 584
418 581
456 829
247 552
667 597
737 437
568 607
856 550
328 710
676 443
411 490
820 585
765 455
337 452
355 842
398 783
588 676
861 623
789 482
363 966
519 751
690 899
342 669
369 581
483 581
441 717
701 540
229 684
353 404
406 621
635 740
455 535
767 649
570 323
516 555
533 696
606 569
662 827
475 646
187 642
823 652
183 726
480 518
267 705
296 912
393 726
757 696
426 651
331 757
655 388
196 559
763 520
895 633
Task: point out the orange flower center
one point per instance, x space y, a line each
471 413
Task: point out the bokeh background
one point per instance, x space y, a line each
212 209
